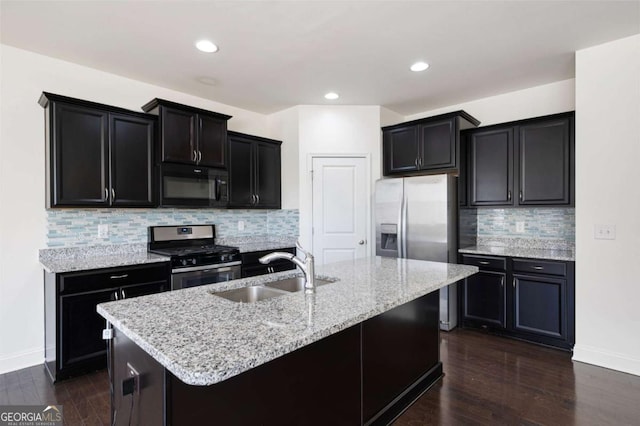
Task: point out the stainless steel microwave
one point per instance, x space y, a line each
192 186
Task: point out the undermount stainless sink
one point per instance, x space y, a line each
295 283
250 294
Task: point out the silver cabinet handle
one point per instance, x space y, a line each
223 269
509 195
124 296
502 281
483 262
117 277
253 198
257 199
199 156
416 162
538 268
520 195
113 194
514 283
420 161
197 171
195 156
106 194
115 295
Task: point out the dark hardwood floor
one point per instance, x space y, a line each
488 380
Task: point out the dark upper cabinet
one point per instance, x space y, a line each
97 155
131 144
491 167
401 149
430 145
254 172
524 163
544 161
190 135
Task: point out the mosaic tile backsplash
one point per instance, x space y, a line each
541 224
79 227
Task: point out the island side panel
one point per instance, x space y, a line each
318 384
400 357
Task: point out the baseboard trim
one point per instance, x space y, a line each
20 360
607 359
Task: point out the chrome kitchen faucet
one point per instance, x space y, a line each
306 265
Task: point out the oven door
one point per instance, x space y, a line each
192 186
202 275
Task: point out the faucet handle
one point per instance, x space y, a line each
302 250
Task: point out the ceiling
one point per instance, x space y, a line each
276 54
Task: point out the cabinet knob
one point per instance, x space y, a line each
520 195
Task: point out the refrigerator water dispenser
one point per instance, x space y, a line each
389 236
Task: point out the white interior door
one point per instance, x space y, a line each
340 208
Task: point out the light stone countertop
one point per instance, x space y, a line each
204 339
526 252
70 259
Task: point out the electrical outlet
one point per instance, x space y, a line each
520 227
103 230
133 374
604 232
241 225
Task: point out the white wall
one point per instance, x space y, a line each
24 75
283 125
607 178
334 130
532 102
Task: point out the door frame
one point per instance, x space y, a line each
369 198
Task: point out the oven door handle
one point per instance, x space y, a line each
217 267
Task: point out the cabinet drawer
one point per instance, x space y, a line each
540 267
76 282
251 258
485 262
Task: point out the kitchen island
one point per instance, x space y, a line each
357 351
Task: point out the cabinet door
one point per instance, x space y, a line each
80 153
144 289
544 163
178 135
540 305
267 175
484 298
491 167
241 173
401 148
80 338
131 142
212 141
437 145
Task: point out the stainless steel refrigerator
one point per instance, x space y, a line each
416 218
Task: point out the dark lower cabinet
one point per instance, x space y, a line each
528 299
485 298
539 305
73 328
251 266
97 155
254 172
367 374
398 350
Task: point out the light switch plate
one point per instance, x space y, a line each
604 232
520 227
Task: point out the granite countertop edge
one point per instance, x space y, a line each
522 252
270 349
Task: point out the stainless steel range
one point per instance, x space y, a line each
195 258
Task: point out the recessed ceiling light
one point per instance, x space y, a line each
206 46
419 66
332 96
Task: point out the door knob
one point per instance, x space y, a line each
361 242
